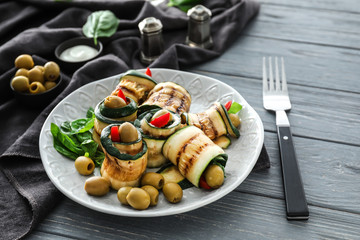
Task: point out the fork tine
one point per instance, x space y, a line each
277 77
283 77
265 81
271 77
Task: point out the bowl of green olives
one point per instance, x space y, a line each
36 85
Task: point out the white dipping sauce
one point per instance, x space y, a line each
78 53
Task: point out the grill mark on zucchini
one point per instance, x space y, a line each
156 96
126 91
171 96
184 147
182 105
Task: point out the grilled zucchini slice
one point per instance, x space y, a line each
192 151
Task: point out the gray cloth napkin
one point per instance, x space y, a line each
36 28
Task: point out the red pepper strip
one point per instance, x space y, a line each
121 94
114 132
148 72
203 183
161 121
228 105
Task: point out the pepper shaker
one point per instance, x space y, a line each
152 40
199 27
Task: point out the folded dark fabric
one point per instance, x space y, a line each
36 28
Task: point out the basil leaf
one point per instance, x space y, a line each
183 5
100 24
235 107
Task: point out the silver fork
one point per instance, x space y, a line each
276 98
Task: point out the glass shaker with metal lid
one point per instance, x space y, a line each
152 40
199 27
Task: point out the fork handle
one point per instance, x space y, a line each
296 205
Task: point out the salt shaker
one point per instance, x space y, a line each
152 40
199 27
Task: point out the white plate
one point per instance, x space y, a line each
243 152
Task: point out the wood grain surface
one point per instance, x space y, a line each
320 42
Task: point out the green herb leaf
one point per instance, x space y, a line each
100 24
98 158
183 5
65 140
235 107
84 136
90 113
89 146
74 139
63 150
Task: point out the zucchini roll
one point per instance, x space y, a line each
214 122
111 110
170 96
135 85
192 151
125 155
156 127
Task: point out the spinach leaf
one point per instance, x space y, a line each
82 125
63 150
183 5
66 127
65 140
100 24
90 113
89 146
84 136
98 158
74 139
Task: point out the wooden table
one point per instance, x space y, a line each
320 42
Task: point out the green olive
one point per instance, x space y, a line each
52 71
36 87
122 194
84 165
138 198
49 85
128 132
235 120
22 72
153 193
41 68
173 192
97 186
36 75
114 102
154 179
20 84
214 176
24 61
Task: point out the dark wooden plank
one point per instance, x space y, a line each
335 5
329 172
235 215
323 27
316 113
306 64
